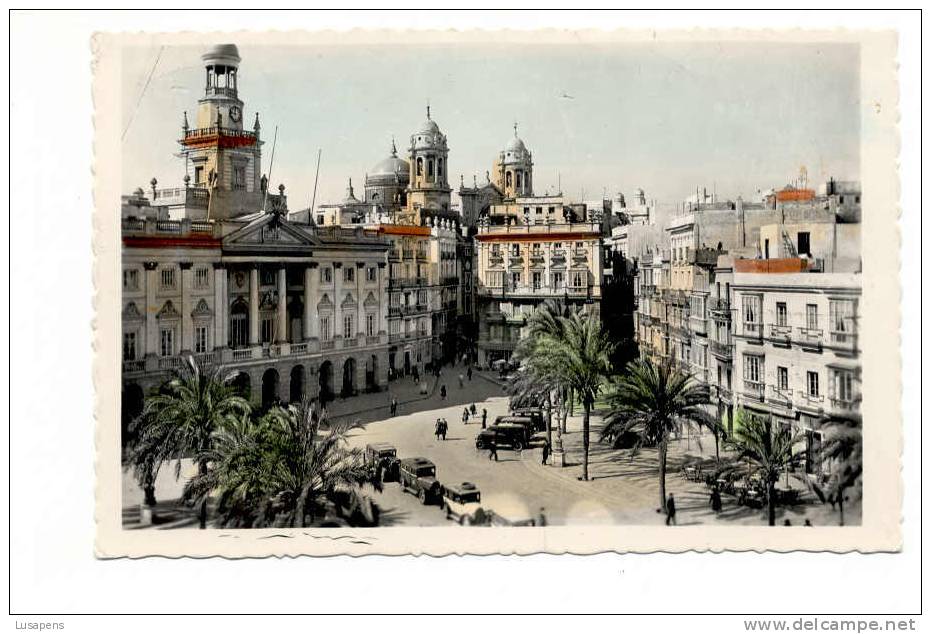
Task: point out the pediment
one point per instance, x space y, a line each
131 312
325 303
168 311
269 230
202 309
370 301
348 301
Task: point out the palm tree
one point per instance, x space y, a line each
536 380
283 469
182 420
769 450
843 448
653 401
579 355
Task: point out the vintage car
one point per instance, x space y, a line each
533 425
533 413
384 455
463 503
513 435
418 476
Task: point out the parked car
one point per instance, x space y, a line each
513 435
418 476
463 503
384 455
535 414
535 425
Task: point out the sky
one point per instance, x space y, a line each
665 117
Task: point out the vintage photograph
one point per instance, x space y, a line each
545 292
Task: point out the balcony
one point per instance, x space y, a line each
408 254
350 342
495 260
580 257
169 363
135 365
328 344
810 337
698 325
753 330
224 137
845 405
422 256
844 341
394 255
812 400
515 262
371 340
780 334
779 396
753 390
242 354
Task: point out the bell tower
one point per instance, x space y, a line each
429 188
225 158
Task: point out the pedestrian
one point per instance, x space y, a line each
484 417
715 500
461 381
469 373
788 522
807 522
438 429
546 451
472 410
394 406
443 391
541 517
465 415
670 510
444 426
493 450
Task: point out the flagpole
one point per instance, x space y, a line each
271 166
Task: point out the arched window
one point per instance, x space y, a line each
507 179
439 167
419 166
519 180
429 168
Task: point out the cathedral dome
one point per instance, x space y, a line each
393 167
428 135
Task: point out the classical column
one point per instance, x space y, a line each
337 300
311 297
220 301
360 303
187 323
254 305
151 309
282 334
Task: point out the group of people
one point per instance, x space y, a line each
441 428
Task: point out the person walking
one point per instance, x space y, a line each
443 392
444 427
472 410
438 429
461 381
469 373
394 406
465 415
715 500
493 450
546 452
670 510
484 417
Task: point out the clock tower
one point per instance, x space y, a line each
225 158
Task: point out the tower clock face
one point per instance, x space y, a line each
235 114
